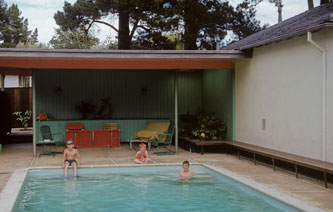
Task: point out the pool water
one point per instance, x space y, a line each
139 189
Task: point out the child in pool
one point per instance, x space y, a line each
68 158
186 173
141 156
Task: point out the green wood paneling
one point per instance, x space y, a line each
123 86
217 96
210 89
189 91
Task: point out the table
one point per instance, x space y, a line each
137 140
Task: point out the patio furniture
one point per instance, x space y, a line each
140 140
201 144
110 126
151 132
74 126
159 143
48 139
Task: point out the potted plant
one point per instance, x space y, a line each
198 127
202 126
208 127
23 118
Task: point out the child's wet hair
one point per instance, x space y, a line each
186 162
142 145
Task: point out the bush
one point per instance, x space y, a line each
23 118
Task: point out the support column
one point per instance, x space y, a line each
176 111
3 82
33 114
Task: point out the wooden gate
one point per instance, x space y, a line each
20 99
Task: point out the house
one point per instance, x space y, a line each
284 92
273 89
174 83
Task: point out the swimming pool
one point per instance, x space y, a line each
147 188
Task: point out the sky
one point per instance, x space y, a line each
40 14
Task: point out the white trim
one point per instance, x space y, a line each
12 189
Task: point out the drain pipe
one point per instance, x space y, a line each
324 95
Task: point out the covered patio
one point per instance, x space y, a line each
174 83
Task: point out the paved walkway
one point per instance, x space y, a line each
20 155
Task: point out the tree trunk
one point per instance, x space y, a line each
324 2
310 4
190 36
124 41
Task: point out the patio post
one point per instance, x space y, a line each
3 82
176 111
33 115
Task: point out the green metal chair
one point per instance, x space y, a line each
164 144
47 139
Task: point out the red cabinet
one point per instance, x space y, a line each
94 138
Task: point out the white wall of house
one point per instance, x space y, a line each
11 81
282 84
15 81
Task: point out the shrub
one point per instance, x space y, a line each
23 118
203 126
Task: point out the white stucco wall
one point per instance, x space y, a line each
282 83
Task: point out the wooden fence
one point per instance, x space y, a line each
20 99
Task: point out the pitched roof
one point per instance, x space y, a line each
308 21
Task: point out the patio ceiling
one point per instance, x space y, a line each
18 60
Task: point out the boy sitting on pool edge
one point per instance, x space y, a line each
142 156
68 158
186 173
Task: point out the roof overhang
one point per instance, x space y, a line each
19 59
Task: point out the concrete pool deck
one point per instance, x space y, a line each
14 156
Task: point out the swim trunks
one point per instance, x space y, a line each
71 161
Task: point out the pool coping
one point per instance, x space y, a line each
12 189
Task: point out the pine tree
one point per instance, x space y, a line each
3 18
83 14
34 36
149 24
14 29
76 39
